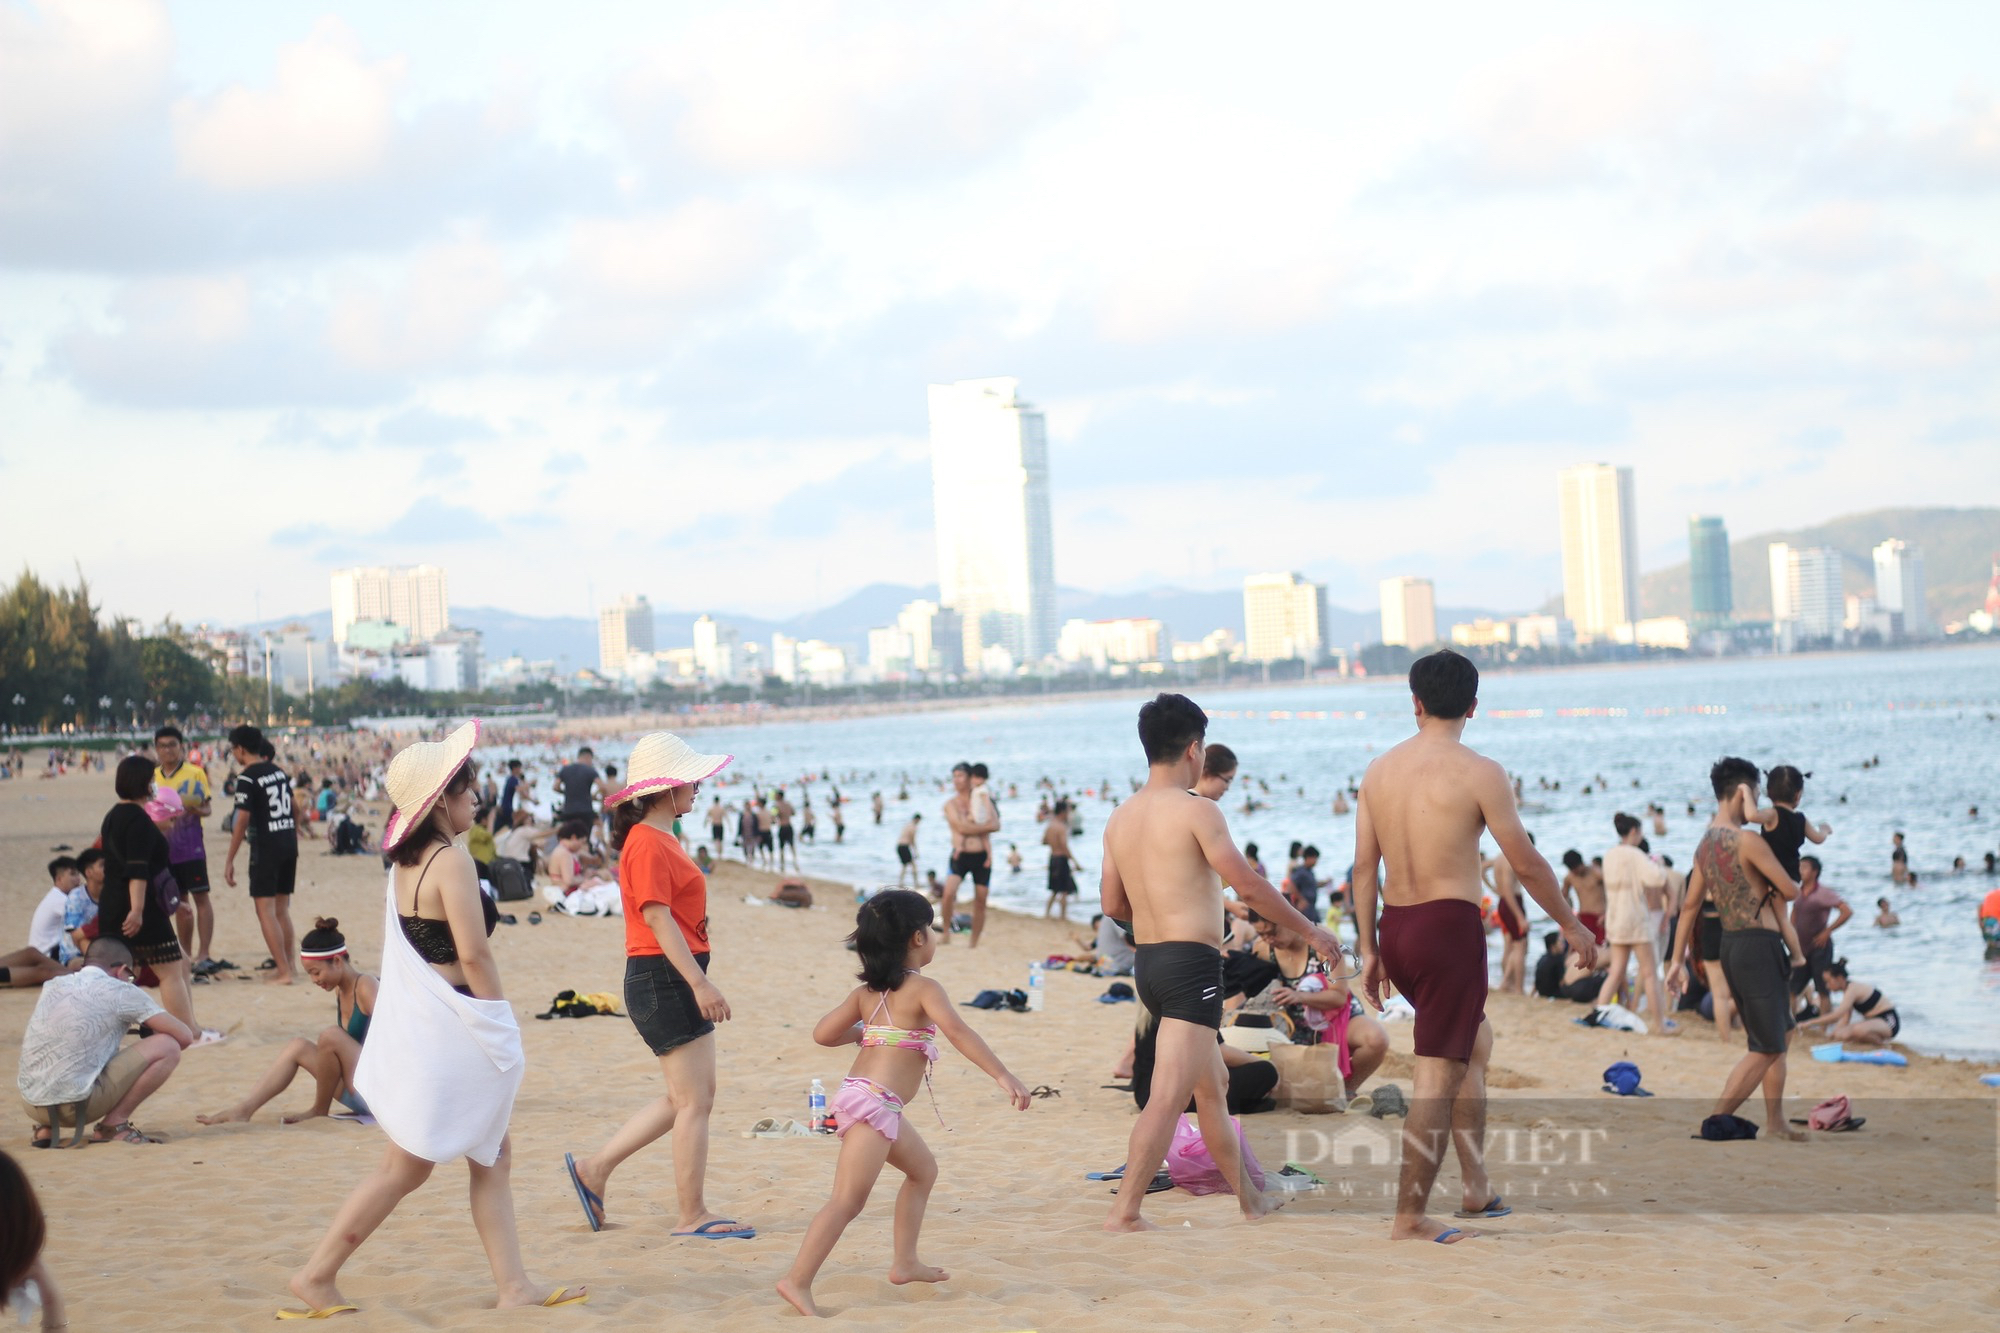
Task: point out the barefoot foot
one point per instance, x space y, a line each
799 1298
1258 1205
299 1117
904 1273
1129 1224
229 1117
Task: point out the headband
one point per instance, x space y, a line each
335 952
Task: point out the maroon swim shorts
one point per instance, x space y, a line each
1435 956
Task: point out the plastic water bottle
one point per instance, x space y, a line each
816 1107
1035 971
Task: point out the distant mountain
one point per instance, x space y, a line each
1958 547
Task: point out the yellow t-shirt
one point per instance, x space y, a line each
184 843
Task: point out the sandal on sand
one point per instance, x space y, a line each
1497 1207
593 1206
771 1127
328 1313
125 1133
557 1298
720 1229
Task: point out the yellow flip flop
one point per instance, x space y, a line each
556 1298
328 1313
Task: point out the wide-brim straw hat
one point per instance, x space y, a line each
661 760
418 776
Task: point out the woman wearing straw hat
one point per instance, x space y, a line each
667 991
443 1058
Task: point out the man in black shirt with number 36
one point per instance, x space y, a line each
264 814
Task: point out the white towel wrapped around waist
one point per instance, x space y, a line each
439 1069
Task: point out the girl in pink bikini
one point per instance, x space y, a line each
895 1016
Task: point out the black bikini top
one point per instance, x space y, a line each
432 938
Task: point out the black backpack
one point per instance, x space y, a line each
509 879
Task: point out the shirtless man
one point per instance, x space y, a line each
971 848
1586 881
906 859
1167 853
1737 869
1513 914
1422 808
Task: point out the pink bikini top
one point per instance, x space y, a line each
922 1039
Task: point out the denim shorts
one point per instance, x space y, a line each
661 1004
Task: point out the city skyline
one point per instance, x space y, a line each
408 299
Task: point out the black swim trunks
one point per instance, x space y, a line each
1062 881
1758 967
1181 979
978 866
904 854
191 875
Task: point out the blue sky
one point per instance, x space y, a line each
645 298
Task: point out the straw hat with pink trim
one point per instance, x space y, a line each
418 776
661 760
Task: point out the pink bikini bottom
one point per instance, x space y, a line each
862 1101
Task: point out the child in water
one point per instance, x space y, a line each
895 1016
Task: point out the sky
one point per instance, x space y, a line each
643 297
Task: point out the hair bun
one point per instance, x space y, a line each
326 923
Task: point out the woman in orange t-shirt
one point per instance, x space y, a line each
667 991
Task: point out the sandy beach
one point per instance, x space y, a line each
1875 1229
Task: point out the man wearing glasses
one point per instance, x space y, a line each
71 1060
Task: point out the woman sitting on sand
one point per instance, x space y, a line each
331 1059
1864 1013
443 1060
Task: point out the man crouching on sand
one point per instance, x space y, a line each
1422 808
1167 853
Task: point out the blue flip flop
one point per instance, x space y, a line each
1445 1237
707 1231
593 1207
1117 1173
1497 1208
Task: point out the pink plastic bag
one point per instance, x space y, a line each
1192 1166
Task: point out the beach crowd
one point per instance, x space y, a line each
1246 983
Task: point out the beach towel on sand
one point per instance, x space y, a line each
439 1070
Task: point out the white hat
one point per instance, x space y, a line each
418 776
661 760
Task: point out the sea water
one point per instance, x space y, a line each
1615 738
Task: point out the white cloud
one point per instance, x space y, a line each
328 116
72 71
828 88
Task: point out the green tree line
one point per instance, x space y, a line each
55 646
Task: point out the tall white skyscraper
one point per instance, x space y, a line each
1600 548
1284 616
622 630
995 541
413 596
1409 612
1899 588
1806 598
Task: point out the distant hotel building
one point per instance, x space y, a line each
1807 603
622 630
995 538
1709 589
412 596
1899 588
1409 612
1284 617
1125 642
1600 549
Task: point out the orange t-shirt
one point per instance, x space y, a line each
654 868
